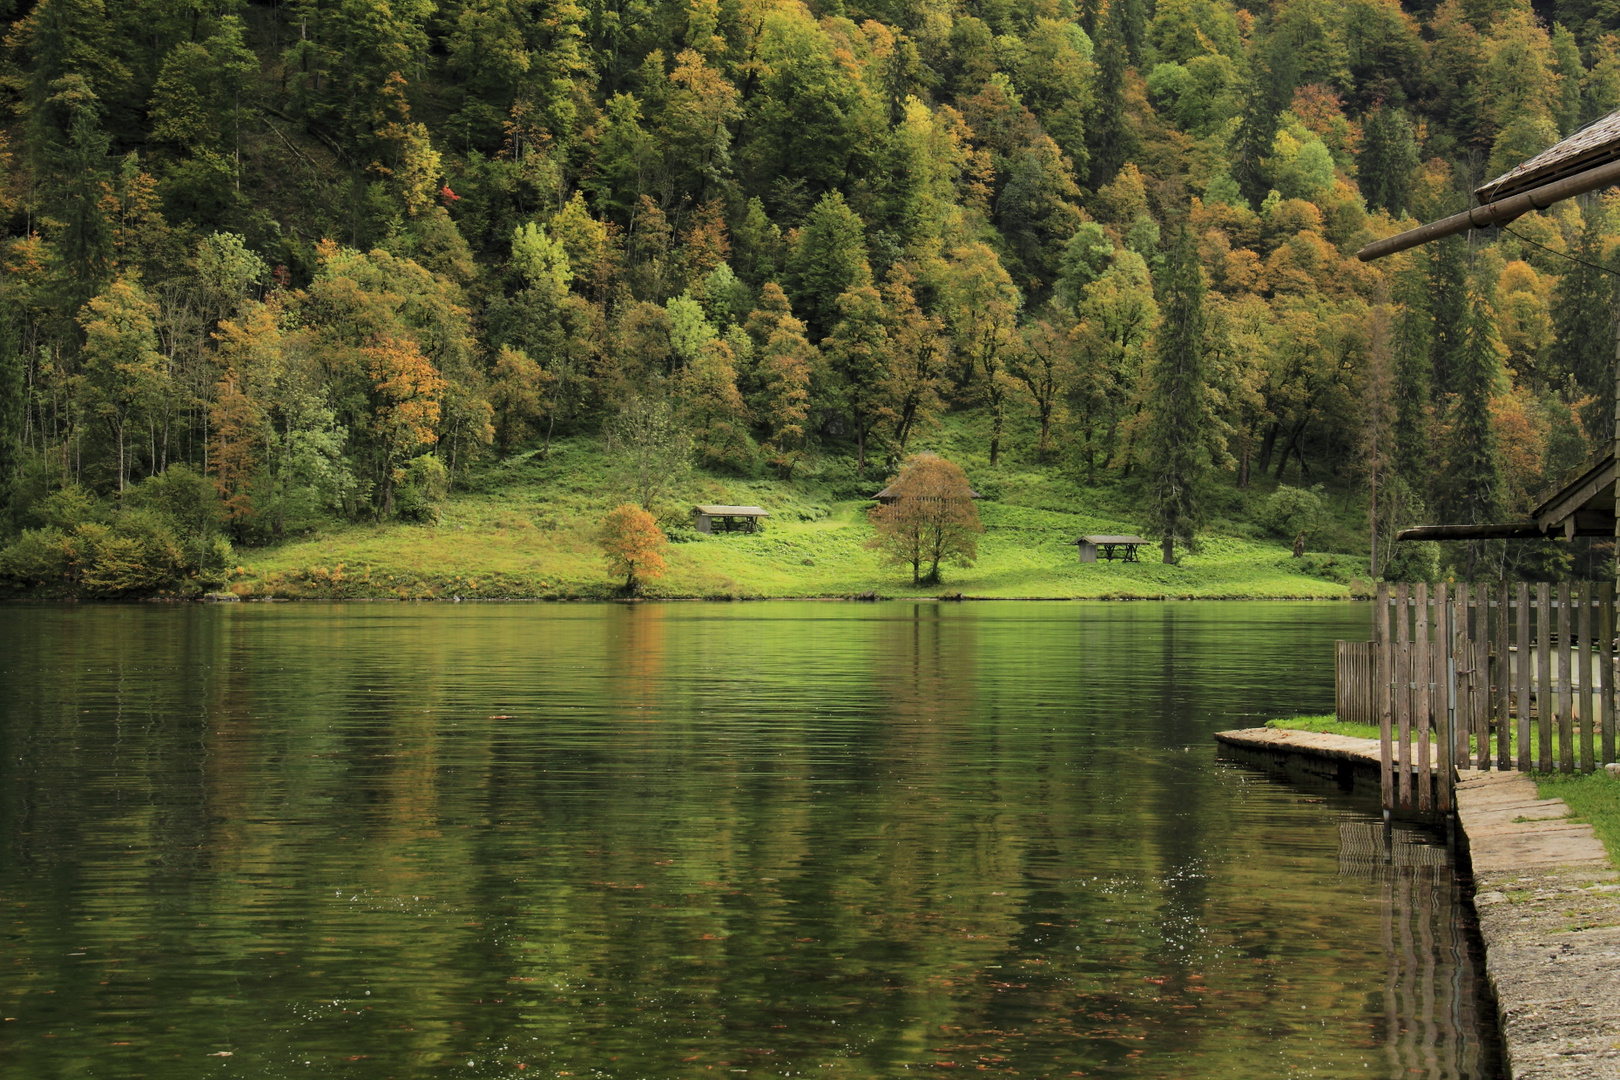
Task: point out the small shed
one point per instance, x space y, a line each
1110 547
729 518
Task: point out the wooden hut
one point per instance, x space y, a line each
887 495
729 518
1110 547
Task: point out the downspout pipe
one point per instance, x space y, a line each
1499 212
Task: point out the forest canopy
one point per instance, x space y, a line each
323 257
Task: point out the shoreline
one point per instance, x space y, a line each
959 598
1545 896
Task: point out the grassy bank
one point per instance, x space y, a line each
526 529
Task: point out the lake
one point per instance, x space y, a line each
701 840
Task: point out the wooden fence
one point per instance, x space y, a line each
1516 675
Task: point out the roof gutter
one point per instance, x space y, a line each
1499 212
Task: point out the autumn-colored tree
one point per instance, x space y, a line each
633 545
405 408
929 518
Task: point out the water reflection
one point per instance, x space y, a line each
675 840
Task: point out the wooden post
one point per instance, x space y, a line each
1605 660
1545 701
1504 681
1403 700
1583 676
1566 696
1461 670
1444 739
1420 696
1482 677
1526 661
1382 673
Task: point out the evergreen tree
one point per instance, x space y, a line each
1448 304
1413 380
1583 327
829 259
1471 480
1108 138
1389 159
1181 435
1251 144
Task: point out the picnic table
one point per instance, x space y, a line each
1110 547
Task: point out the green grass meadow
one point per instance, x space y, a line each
525 529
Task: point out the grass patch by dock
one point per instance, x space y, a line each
1327 724
1593 798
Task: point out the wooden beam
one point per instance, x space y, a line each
1499 212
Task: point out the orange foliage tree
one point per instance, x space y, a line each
930 518
405 409
633 544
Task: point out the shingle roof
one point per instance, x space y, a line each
1595 144
732 511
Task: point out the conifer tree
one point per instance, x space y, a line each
1182 435
1471 481
1448 304
1389 159
1413 380
1583 312
1107 136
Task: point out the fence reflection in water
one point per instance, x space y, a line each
1439 1017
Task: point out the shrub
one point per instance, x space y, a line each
1291 511
423 489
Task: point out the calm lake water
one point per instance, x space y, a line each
700 840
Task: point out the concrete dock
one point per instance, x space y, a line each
1547 896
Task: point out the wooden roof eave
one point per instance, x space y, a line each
1587 493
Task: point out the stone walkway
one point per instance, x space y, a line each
1549 913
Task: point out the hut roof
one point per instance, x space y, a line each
1110 540
1598 143
731 511
888 493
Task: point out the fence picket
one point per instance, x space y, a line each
1544 685
1503 670
1403 700
1583 676
1381 665
1420 696
1566 689
1526 661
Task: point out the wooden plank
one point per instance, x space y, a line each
1583 678
1482 676
1566 696
1437 703
1461 676
1526 663
1605 660
1382 668
1545 699
1503 674
1403 700
1420 697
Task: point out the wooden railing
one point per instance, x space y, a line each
1467 675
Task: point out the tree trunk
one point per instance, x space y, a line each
1168 546
1268 444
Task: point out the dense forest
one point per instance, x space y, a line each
269 262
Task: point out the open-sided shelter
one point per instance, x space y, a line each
729 518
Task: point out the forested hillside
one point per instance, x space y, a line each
267 263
